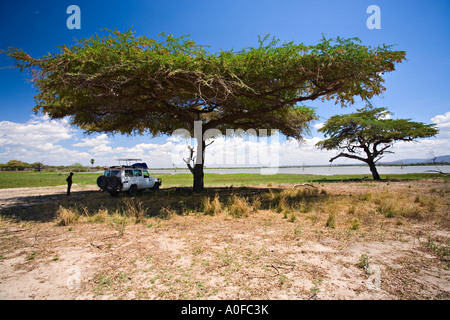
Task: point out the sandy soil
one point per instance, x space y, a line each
262 256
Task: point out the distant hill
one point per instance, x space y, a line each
440 159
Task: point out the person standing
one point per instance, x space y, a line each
69 183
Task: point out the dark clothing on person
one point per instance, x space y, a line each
69 183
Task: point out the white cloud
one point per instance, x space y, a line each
93 142
55 142
35 131
318 126
442 120
385 115
37 140
251 151
425 148
443 123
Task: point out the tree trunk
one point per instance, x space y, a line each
373 169
197 171
197 165
198 178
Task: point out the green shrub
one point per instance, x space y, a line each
331 222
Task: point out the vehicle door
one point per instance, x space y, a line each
137 178
128 179
147 181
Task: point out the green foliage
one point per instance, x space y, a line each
135 85
315 289
16 165
370 131
364 261
32 256
371 127
331 221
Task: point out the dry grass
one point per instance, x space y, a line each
134 210
353 211
243 243
239 207
66 216
211 207
131 211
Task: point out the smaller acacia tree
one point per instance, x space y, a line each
370 131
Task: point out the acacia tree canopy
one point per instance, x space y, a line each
124 84
366 135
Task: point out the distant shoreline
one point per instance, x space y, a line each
318 166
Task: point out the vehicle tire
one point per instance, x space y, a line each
113 182
132 191
102 182
156 187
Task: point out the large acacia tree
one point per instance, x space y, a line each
124 84
367 134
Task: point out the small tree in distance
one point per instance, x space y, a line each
370 132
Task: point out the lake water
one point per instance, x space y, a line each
323 170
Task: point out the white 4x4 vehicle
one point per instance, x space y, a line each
130 179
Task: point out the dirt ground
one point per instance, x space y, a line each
192 256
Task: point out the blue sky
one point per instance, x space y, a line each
418 89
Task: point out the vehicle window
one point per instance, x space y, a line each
128 173
137 173
107 173
146 175
115 173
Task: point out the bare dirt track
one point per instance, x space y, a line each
265 255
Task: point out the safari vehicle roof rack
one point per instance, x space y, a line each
127 161
137 164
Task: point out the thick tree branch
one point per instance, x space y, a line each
190 159
351 156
